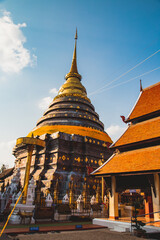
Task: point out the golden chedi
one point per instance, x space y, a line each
76 142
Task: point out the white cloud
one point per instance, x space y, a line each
54 91
115 131
13 55
6 153
44 103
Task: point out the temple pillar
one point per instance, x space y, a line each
98 194
71 193
113 200
56 192
84 194
148 207
102 189
156 197
27 172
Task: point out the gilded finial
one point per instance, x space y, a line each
74 71
74 60
76 36
141 88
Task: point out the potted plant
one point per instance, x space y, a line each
138 231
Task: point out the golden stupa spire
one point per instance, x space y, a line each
73 85
74 59
74 71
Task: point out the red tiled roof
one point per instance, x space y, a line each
139 132
146 159
6 173
148 102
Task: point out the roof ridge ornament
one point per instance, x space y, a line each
123 119
141 88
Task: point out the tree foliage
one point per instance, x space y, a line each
3 167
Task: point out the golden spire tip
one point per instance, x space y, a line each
76 36
74 71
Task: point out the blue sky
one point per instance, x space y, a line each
36 52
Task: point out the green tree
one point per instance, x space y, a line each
3 167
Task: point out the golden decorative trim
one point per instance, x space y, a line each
30 141
72 95
79 130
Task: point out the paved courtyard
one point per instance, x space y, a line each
99 234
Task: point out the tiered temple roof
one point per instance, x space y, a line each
148 104
143 131
138 149
6 173
139 160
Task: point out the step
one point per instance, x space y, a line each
113 225
119 226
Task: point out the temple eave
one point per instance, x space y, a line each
139 160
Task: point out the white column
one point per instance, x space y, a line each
113 200
156 199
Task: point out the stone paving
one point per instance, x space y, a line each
5 237
99 234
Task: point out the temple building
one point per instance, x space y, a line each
135 164
76 142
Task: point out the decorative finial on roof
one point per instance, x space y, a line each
74 71
76 36
123 119
141 88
